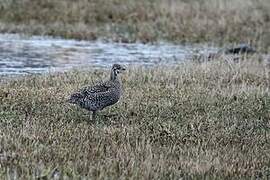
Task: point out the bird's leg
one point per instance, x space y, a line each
94 115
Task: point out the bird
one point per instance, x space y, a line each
104 94
240 49
228 54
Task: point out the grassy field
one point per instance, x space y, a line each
208 120
233 21
197 120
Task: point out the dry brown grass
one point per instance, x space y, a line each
197 121
218 21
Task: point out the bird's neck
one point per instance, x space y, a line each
113 76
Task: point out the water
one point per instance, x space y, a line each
28 55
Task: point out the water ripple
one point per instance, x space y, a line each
22 54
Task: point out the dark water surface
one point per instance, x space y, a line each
23 55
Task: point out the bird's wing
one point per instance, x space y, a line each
98 88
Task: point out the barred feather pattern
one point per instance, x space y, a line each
99 96
95 98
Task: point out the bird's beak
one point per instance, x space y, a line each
123 68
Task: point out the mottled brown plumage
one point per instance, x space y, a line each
97 97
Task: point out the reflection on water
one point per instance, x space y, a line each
22 55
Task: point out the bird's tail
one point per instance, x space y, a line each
74 98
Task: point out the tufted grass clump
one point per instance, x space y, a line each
207 120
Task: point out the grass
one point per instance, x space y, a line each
208 120
231 21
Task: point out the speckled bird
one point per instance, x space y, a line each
95 98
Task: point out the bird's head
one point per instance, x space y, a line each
116 69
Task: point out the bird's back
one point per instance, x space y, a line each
99 96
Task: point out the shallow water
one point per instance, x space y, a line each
27 55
